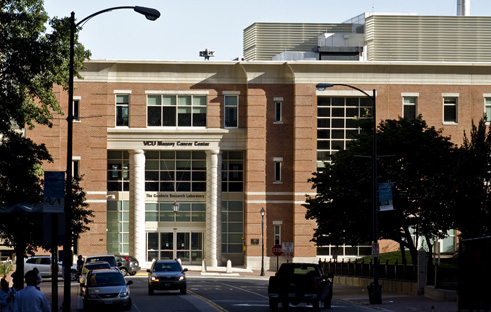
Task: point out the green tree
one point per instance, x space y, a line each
415 158
32 62
473 208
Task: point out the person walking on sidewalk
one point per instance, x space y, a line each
6 297
31 299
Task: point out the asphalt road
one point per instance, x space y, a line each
204 294
239 294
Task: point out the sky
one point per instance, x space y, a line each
187 27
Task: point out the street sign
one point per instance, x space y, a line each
277 250
287 247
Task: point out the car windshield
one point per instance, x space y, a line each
167 267
106 279
95 266
110 260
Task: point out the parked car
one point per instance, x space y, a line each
111 259
129 264
299 282
166 275
106 288
89 267
43 264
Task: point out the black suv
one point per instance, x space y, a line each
127 264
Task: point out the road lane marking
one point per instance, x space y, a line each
252 292
209 302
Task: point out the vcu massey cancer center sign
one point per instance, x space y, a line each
176 144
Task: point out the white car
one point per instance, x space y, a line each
43 264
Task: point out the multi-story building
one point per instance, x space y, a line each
178 158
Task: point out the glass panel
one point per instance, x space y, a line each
169 119
199 100
230 117
183 241
152 255
154 117
169 100
151 165
153 241
153 100
323 112
166 255
197 241
184 117
183 255
167 241
231 100
122 99
199 117
151 207
197 165
151 155
185 100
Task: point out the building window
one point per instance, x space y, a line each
337 123
277 169
278 111
450 109
76 168
232 172
118 227
409 109
277 234
231 111
122 110
118 171
76 110
175 171
232 226
164 212
487 109
176 110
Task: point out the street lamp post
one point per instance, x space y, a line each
150 14
263 212
375 292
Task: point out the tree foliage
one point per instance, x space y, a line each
415 158
32 62
473 209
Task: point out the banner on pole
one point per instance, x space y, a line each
385 197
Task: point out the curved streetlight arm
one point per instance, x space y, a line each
324 86
150 14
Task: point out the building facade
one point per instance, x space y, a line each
178 158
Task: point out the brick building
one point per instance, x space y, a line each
178 158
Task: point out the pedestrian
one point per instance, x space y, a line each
40 279
80 265
30 299
6 296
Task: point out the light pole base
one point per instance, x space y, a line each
262 271
374 294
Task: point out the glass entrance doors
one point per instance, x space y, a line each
187 246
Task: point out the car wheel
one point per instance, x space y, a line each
124 271
285 304
273 304
73 275
150 290
327 303
183 290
